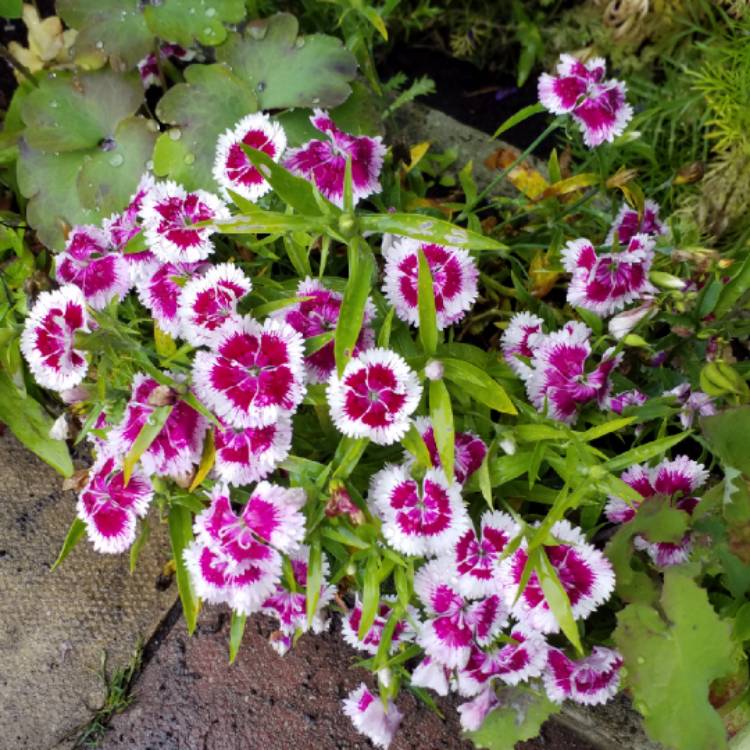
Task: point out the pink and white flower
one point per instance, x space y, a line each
454 625
433 675
148 67
254 374
374 397
621 401
162 292
693 403
518 340
169 214
591 681
469 450
402 633
249 454
109 507
677 479
48 338
371 718
559 379
476 560
629 222
584 572
599 107
233 169
454 280
290 607
177 447
209 301
317 313
606 282
235 558
474 712
323 162
420 517
87 262
521 659
623 323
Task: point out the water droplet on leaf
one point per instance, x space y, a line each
175 134
261 87
116 160
210 12
189 158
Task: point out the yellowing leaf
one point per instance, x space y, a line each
523 176
417 153
542 279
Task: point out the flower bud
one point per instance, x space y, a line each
623 323
60 428
508 444
434 370
667 281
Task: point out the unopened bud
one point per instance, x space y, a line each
340 503
60 428
667 281
508 444
434 370
623 323
633 339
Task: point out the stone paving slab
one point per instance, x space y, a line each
54 626
189 698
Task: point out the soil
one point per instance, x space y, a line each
188 697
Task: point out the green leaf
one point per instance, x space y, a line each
269 222
441 415
236 631
212 100
478 384
290 71
519 717
722 432
414 443
135 550
186 21
148 433
347 456
349 324
11 8
31 425
428 332
733 291
180 522
208 457
557 598
296 192
83 150
111 27
519 117
314 578
427 229
672 654
642 453
75 532
370 595
606 428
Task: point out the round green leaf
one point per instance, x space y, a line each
211 100
290 71
186 21
112 27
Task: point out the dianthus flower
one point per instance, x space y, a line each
209 301
371 718
254 374
87 262
591 680
621 401
629 222
518 339
476 559
584 572
290 607
469 450
606 282
693 403
249 454
420 517
148 67
124 226
374 397
233 169
454 280
677 479
235 558
517 661
403 632
432 674
168 214
558 373
598 106
473 713
317 313
109 508
48 338
177 447
323 162
162 291
454 624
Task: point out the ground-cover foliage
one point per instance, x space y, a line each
504 439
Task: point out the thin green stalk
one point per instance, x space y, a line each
502 175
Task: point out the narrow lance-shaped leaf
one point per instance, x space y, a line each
557 598
428 333
207 460
351 315
314 578
181 535
642 453
75 532
236 631
478 384
441 414
414 443
348 454
135 550
152 427
370 595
